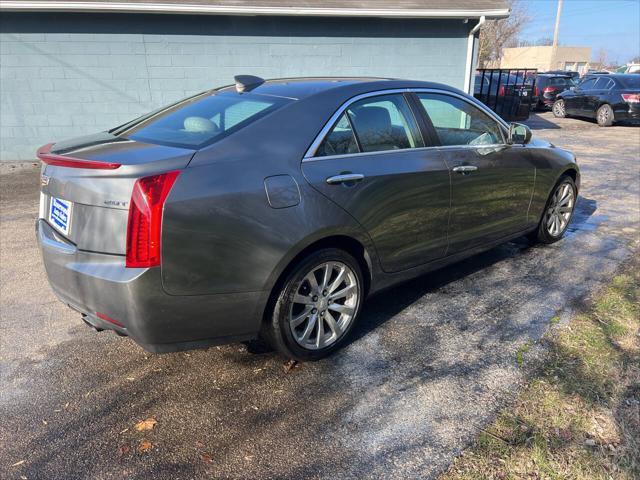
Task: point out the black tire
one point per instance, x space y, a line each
558 109
277 330
605 116
544 234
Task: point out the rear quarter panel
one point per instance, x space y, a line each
220 235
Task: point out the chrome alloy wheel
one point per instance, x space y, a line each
559 109
324 305
560 209
603 115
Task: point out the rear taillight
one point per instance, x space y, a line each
631 97
536 92
45 155
501 91
144 228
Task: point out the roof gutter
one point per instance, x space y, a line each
469 62
191 8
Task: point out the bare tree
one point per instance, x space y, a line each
495 35
601 59
544 42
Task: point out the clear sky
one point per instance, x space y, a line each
610 24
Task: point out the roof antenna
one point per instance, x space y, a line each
246 83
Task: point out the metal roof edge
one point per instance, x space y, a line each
187 8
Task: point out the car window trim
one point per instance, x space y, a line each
310 153
427 130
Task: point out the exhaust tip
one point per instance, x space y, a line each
84 319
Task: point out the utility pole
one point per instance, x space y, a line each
555 35
556 30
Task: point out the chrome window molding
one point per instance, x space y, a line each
310 153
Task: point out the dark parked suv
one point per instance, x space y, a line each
607 98
547 88
273 208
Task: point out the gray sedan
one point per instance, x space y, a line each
273 208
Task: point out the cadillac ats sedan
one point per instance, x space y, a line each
273 208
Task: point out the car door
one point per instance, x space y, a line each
491 182
574 101
594 98
372 163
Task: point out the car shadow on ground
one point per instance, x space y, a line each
377 310
537 122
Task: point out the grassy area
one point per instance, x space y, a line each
579 416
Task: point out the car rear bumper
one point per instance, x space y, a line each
93 283
632 114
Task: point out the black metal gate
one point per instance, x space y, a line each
507 91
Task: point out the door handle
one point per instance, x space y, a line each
344 178
465 169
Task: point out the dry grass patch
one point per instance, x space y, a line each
579 416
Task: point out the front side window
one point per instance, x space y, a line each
201 120
373 124
588 84
457 122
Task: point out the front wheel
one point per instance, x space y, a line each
557 213
559 109
317 306
605 116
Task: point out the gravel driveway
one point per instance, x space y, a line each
431 361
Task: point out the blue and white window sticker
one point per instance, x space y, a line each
60 215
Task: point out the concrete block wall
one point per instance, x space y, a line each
64 75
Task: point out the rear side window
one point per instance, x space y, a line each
201 120
603 83
373 124
384 123
458 122
340 140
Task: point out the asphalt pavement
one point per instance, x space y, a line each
430 363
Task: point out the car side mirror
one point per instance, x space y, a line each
519 134
573 89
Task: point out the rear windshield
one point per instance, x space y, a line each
561 82
632 81
201 120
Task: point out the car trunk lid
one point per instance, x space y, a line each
87 185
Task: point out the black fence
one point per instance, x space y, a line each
508 92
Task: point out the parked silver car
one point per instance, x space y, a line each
273 208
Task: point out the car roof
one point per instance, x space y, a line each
302 87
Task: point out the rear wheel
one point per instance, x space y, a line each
317 306
605 116
559 110
557 213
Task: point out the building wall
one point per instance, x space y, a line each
543 58
64 75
